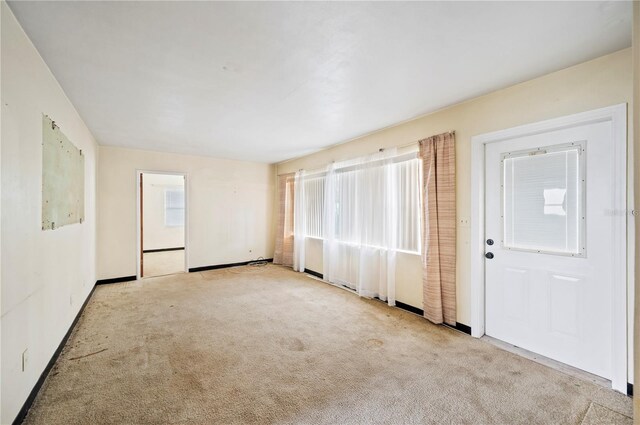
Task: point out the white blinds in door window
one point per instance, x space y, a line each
543 200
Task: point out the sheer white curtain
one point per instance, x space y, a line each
328 225
299 222
361 225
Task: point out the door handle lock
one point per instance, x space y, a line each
489 241
489 255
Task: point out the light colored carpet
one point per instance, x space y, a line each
163 263
270 346
598 415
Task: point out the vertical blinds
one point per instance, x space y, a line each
314 204
409 197
361 191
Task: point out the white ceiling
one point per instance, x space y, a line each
272 81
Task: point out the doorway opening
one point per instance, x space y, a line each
162 220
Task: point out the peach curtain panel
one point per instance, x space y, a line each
438 156
284 237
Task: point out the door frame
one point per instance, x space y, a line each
139 218
622 217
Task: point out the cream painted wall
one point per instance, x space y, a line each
46 275
229 208
156 235
601 82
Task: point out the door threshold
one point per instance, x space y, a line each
546 361
163 275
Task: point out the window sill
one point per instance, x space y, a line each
402 251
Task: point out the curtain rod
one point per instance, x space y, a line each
414 143
314 170
395 159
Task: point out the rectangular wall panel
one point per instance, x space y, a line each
62 178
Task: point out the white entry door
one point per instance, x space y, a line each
549 243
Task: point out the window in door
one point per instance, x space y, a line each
543 197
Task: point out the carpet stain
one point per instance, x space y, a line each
293 344
374 343
184 364
87 355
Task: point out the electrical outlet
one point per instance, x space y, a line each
25 359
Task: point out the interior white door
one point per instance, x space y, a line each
549 271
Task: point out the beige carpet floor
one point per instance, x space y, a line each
270 346
163 263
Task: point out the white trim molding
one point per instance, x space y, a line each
617 115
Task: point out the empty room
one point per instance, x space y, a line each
319 212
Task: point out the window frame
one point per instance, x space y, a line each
580 146
167 190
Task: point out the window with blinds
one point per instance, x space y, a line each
314 206
359 204
409 177
543 200
174 207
